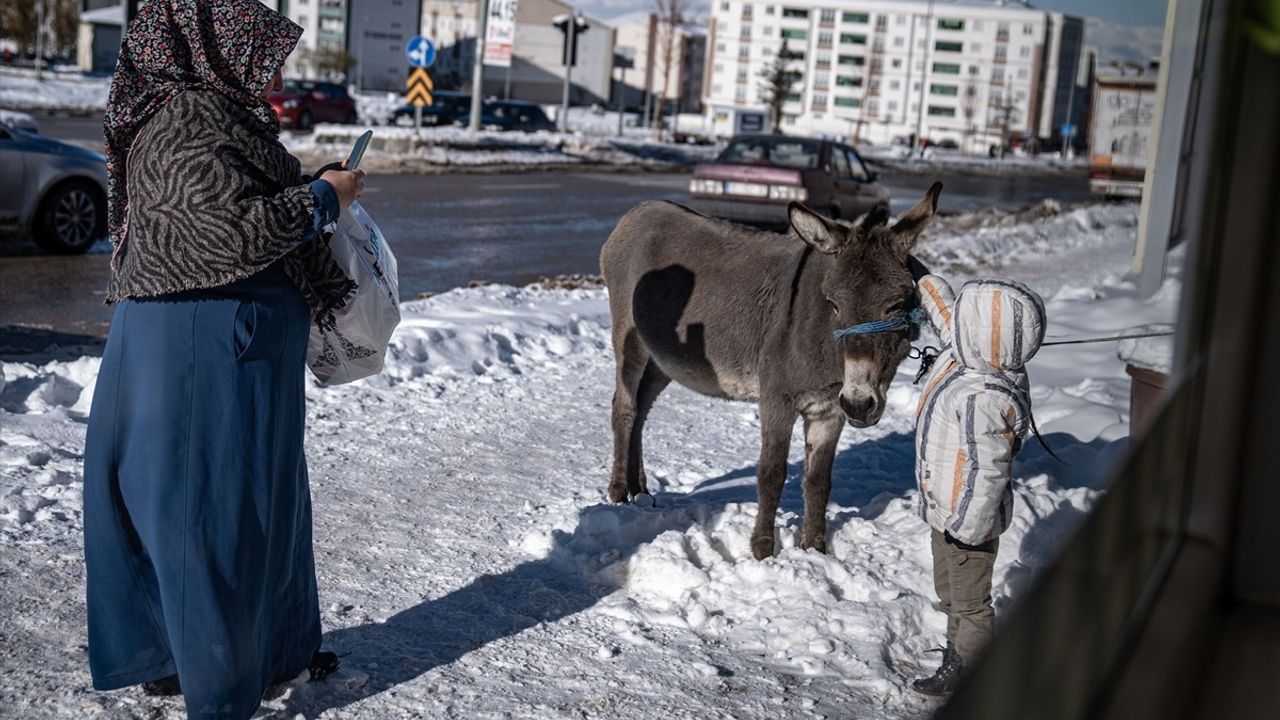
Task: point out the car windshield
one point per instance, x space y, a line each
796 153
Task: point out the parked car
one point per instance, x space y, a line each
304 103
445 109
54 191
756 176
511 115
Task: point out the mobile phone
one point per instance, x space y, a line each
357 150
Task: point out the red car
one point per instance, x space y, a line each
756 177
304 103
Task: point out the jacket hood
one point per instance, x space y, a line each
993 325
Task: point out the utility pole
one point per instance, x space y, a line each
39 39
924 79
477 73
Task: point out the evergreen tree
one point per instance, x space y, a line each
779 81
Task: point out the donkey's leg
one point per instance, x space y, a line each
631 359
821 434
776 420
652 382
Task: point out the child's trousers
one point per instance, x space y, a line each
962 578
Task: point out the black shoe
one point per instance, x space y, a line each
945 680
323 664
164 687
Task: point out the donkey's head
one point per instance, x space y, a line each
869 280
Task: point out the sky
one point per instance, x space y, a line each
1127 29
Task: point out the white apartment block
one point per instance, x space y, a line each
874 70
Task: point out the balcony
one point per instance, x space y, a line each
1002 36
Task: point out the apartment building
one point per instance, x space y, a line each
357 40
875 70
644 39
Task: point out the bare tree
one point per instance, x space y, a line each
62 23
1005 113
671 16
779 81
969 106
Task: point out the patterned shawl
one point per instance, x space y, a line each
231 48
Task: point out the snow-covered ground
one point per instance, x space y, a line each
470 566
899 158
449 148
68 90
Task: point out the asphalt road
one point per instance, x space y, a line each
447 231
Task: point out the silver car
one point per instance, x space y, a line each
54 191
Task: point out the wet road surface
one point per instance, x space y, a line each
449 230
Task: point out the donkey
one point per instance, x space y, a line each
746 314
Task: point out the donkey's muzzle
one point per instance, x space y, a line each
862 410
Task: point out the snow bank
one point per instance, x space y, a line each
1152 353
450 147
469 564
899 158
66 91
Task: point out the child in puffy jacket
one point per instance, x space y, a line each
973 415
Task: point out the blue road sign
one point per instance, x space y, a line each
421 52
1067 130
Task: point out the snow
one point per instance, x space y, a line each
470 565
1151 353
450 147
62 89
898 158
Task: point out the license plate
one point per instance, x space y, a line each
747 189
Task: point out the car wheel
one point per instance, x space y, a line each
304 120
834 212
70 220
353 118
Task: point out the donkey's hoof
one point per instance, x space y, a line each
644 500
817 543
617 493
762 547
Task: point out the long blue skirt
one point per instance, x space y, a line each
197 511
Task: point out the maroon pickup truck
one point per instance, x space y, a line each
756 176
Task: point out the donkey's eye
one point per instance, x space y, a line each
834 310
895 309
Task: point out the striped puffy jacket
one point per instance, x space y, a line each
976 407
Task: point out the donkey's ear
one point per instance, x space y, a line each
878 216
907 230
821 234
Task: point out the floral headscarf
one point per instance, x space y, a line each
231 46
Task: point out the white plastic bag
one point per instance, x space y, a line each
357 345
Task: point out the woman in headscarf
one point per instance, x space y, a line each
197 518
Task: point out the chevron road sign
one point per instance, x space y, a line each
418 87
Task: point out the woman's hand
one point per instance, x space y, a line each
348 184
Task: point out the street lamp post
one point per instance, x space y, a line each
924 79
477 73
39 39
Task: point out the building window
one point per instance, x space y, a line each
821 79
719 68
794 97
857 60
892 106
851 39
767 52
724 7
945 24
717 89
1024 51
795 13
855 17
1002 53
1026 28
894 84
828 15
794 34
824 39
740 94
900 19
819 102
941 111
975 48
719 47
899 42
768 31
973 69
896 63
848 81
997 76
742 74
948 46
768 9
849 102
744 52
938 89
746 34
873 106
977 25
947 68
874 86
823 59
1022 73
